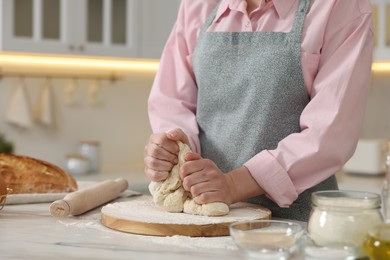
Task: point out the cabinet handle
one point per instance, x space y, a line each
81 48
71 47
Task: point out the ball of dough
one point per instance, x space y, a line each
171 195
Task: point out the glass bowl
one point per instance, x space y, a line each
337 251
266 239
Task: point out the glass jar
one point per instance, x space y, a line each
343 218
377 243
77 164
91 150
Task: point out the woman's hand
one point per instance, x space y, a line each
206 182
161 153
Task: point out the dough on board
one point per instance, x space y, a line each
171 195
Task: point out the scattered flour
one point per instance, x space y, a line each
93 222
143 209
194 242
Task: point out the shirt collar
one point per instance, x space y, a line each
222 7
282 7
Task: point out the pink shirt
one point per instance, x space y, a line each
337 44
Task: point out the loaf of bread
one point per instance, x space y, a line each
24 174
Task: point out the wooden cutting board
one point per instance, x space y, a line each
142 216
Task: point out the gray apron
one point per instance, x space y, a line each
251 94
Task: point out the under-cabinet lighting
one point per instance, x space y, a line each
381 67
72 66
17 64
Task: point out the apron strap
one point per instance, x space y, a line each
296 31
210 18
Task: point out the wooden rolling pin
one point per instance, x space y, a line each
81 201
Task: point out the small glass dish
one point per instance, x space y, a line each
266 239
337 251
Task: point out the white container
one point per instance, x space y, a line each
343 218
77 164
369 157
91 150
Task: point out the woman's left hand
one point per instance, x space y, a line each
206 182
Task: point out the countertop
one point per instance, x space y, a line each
28 231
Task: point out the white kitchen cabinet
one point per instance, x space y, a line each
158 19
77 27
381 14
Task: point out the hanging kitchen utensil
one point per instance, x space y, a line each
44 109
70 93
18 111
94 97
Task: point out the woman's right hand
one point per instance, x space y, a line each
161 153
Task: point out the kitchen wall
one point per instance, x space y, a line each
377 117
121 124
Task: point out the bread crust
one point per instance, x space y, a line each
24 174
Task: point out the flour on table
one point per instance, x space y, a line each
225 242
171 195
93 221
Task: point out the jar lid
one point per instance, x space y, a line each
76 156
346 199
90 142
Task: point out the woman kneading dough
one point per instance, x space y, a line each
268 94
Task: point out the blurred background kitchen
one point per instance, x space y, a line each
49 102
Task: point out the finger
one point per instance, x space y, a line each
157 165
193 163
208 197
158 152
190 168
191 156
201 187
177 134
166 144
194 178
196 164
156 175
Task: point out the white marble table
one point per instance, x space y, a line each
28 231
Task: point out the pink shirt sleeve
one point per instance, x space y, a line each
172 101
336 69
332 120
